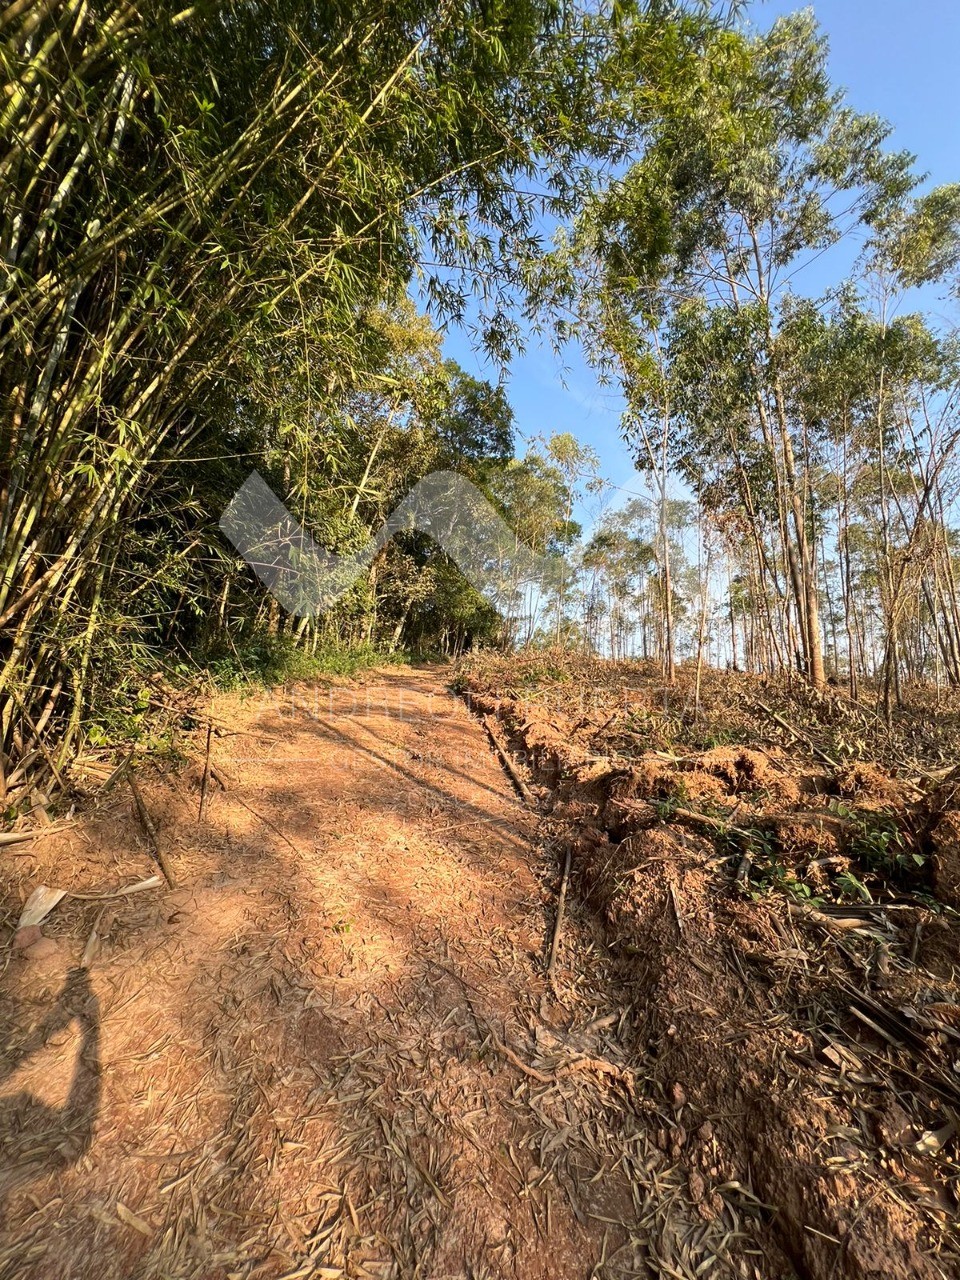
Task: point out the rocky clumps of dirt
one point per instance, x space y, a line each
718 986
761 911
943 835
744 771
945 857
870 786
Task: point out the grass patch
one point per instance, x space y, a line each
267 660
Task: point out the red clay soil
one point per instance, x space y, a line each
811 1058
332 1050
944 832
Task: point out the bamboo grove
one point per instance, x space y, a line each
210 219
221 225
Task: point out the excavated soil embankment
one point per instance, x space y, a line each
808 1055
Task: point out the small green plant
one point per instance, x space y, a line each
880 844
847 883
665 806
766 873
798 889
716 738
756 843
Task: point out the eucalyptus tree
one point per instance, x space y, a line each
877 396
916 242
579 464
753 166
536 499
630 587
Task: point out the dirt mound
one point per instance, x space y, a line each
723 1052
945 857
653 780
869 785
745 771
748 1110
712 779
695 711
801 840
942 822
786 1029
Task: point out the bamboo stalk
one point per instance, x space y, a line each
151 831
558 923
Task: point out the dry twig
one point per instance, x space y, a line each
508 764
558 925
151 831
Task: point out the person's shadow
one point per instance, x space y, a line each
36 1138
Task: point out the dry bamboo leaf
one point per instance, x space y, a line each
933 1139
39 905
91 950
132 1220
151 882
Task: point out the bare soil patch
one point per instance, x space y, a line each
773 911
332 1051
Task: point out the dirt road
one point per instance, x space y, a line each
332 1050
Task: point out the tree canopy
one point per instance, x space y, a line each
214 221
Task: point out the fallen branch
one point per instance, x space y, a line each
206 773
695 818
558 925
837 924
676 907
623 1075
217 776
8 838
152 882
508 763
706 820
18 837
93 943
117 773
518 1062
800 737
151 831
581 1062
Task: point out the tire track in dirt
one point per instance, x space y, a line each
331 1052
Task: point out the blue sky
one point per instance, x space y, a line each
900 60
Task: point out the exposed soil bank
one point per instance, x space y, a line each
808 1050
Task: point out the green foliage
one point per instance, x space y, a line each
264 660
919 242
211 216
124 716
850 886
879 844
767 873
791 419
211 220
